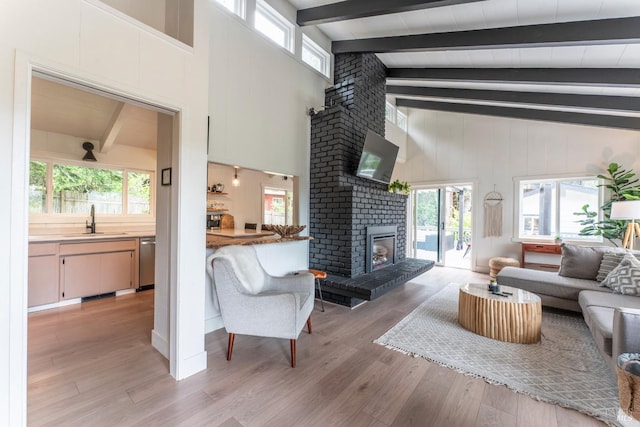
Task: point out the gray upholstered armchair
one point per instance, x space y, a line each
254 303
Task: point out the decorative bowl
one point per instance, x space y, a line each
284 230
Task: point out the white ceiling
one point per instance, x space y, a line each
66 110
496 14
474 16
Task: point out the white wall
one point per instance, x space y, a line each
83 39
451 147
259 95
399 137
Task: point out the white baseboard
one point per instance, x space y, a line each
213 324
58 304
160 343
191 365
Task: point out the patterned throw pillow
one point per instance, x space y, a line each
625 278
611 259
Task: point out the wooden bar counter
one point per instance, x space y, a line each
515 318
227 237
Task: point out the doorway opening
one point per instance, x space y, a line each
441 224
79 112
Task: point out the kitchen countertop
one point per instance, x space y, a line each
71 236
236 234
228 241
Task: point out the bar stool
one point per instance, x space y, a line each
317 274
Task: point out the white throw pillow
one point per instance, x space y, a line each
625 278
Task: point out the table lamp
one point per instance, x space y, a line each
628 209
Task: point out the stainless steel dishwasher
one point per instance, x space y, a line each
147 262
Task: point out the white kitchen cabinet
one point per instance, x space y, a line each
43 274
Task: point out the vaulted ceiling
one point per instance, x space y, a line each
60 108
573 61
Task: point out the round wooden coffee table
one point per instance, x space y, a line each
515 318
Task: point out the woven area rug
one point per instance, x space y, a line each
565 368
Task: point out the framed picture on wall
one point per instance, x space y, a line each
166 176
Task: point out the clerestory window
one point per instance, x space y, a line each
237 7
315 56
274 26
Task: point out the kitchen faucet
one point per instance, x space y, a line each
91 228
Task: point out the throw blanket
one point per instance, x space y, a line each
245 265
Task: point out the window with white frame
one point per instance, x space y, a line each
273 25
234 6
402 120
277 206
315 56
548 207
390 112
67 189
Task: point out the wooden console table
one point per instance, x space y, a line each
542 248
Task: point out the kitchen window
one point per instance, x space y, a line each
547 207
38 187
67 189
277 206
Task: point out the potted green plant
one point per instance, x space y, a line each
623 185
398 186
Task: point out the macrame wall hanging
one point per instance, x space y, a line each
493 214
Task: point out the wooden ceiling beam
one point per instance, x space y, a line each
603 120
578 33
584 76
606 102
352 9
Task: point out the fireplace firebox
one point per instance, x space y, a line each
381 247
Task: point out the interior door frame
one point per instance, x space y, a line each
25 68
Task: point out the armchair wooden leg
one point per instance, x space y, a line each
230 348
293 353
309 324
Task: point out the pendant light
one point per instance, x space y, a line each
235 181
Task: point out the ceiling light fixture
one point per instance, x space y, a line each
235 181
89 154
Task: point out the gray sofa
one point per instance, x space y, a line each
613 319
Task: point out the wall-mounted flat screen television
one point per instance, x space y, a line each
377 159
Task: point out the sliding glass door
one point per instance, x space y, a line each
441 225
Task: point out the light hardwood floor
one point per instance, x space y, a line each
92 364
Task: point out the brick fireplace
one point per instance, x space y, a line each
343 206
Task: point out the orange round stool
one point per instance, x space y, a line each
318 274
